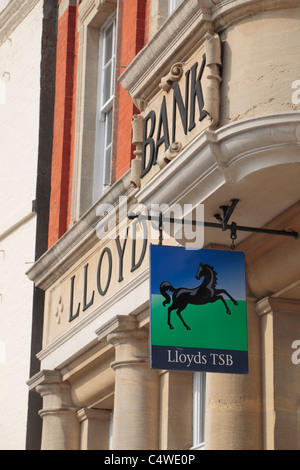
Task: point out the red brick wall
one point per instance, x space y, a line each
147 7
62 142
73 122
132 25
132 17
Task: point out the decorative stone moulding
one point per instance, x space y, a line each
211 100
225 155
171 153
211 92
173 76
59 310
90 8
137 139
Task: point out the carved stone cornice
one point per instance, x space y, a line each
226 155
77 240
227 12
13 15
181 33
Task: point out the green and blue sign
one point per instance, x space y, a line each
198 310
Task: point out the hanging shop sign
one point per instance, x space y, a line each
198 310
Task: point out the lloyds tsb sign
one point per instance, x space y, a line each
198 310
161 130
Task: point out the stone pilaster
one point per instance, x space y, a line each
94 428
61 428
233 417
281 385
176 410
136 403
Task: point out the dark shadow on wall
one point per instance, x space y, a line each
41 204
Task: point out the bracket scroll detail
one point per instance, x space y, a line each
211 92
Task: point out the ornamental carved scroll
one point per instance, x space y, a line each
173 76
211 92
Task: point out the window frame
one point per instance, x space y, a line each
102 163
199 397
92 16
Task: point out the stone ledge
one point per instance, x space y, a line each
77 240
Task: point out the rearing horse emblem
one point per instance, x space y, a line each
203 294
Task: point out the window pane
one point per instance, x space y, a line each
107 166
199 393
108 44
108 127
103 144
107 84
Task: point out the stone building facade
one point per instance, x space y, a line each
27 61
178 104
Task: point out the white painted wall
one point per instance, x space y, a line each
20 57
3 4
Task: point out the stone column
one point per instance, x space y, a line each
176 410
136 402
61 429
94 429
280 319
233 417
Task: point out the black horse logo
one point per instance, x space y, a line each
203 294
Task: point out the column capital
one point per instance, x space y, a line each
44 377
119 337
93 414
275 304
60 423
130 342
55 392
117 323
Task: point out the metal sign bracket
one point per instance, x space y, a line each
223 224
